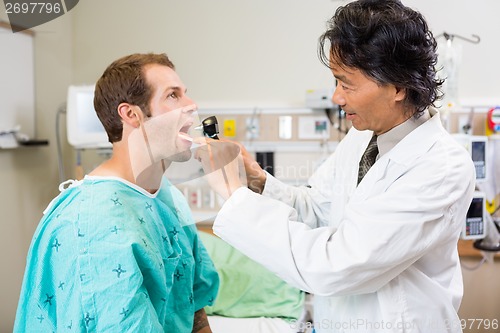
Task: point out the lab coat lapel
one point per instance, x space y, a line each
389 167
418 142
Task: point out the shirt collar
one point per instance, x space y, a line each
390 139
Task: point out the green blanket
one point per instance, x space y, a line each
247 289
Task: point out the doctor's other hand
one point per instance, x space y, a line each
256 176
223 166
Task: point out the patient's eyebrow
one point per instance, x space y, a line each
178 89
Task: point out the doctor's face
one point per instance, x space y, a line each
367 104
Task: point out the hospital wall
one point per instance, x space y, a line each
28 176
230 54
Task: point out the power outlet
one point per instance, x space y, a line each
285 127
463 126
253 128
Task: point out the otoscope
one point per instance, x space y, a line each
211 127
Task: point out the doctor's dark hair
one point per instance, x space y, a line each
124 81
390 43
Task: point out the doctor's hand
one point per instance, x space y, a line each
223 166
256 176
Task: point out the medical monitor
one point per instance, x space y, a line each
474 226
84 129
477 146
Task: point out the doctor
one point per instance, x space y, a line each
378 251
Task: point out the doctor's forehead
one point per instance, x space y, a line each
338 66
345 74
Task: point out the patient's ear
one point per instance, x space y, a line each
129 114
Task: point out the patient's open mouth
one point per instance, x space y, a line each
183 132
185 136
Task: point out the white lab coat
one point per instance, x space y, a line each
379 257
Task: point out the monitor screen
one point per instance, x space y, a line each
83 126
477 146
478 153
474 222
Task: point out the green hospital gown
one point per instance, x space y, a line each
109 257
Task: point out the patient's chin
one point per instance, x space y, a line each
182 156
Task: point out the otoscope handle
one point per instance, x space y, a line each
211 129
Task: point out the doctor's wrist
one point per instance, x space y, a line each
256 183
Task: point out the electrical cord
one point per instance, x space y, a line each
340 116
328 113
251 126
475 267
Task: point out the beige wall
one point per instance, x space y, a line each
481 293
29 176
229 53
260 52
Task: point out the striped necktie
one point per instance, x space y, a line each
368 158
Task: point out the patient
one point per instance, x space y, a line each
118 251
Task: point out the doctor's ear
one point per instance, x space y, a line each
130 114
400 94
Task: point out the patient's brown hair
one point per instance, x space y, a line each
124 82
